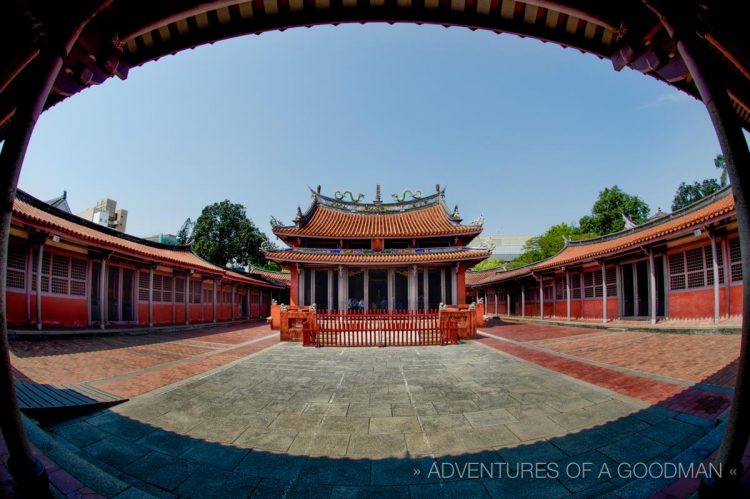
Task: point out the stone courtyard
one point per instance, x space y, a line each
359 422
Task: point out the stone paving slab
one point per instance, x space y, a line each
335 422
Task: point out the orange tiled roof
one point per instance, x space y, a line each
645 234
718 206
329 222
33 212
372 257
334 218
479 276
282 278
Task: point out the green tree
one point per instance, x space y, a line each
608 210
223 234
548 244
721 165
489 263
185 234
690 193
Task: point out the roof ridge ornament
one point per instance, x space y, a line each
479 221
276 223
339 196
299 217
456 214
378 200
415 194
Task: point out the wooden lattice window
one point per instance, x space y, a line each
592 284
612 282
61 274
16 277
560 288
735 260
179 289
143 286
166 289
575 285
694 268
195 291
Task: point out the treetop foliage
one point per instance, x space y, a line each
223 234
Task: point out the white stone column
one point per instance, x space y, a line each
541 297
367 288
313 298
567 292
715 271
151 296
442 284
213 301
604 292
390 277
39 286
454 285
342 284
103 294
187 296
651 286
331 305
413 288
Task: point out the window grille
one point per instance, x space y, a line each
16 277
560 288
166 289
677 271
61 274
694 268
710 266
179 289
735 259
195 291
157 288
612 281
143 286
575 285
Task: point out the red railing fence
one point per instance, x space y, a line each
368 328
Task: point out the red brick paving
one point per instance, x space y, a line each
661 350
167 357
688 357
146 382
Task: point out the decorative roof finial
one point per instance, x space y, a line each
377 194
437 188
456 213
318 189
298 218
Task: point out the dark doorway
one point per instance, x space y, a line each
378 289
95 294
635 288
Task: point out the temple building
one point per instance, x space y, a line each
66 272
409 254
680 266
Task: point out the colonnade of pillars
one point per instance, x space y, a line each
307 289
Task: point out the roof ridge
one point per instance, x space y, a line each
27 198
701 203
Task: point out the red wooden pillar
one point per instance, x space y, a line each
461 285
293 286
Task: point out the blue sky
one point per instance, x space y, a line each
524 132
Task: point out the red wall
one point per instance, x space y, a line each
699 303
735 300
60 310
16 307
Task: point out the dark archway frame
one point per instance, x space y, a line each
51 51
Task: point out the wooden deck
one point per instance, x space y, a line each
36 398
